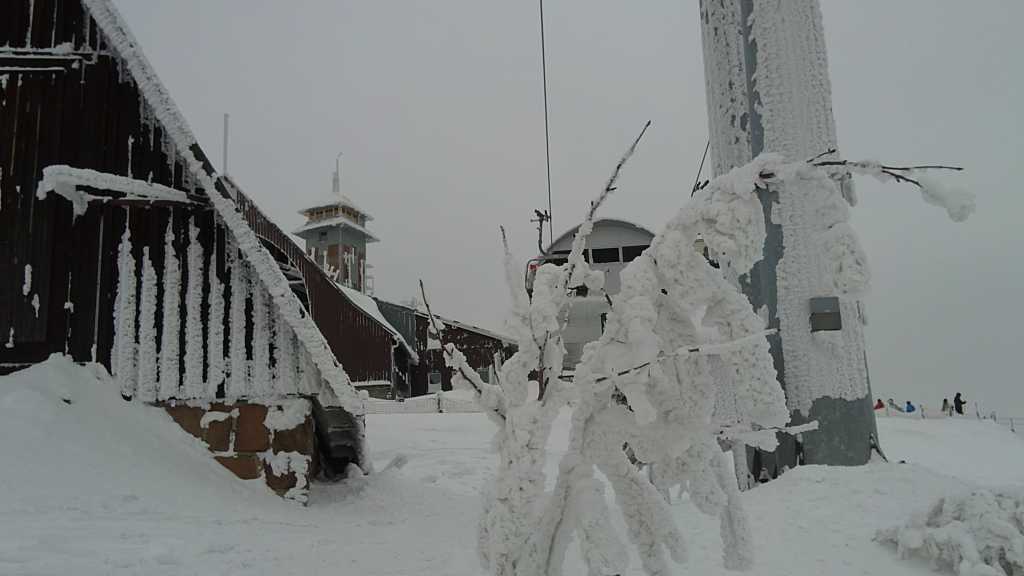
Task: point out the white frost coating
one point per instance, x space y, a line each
975 534
66 181
10 339
240 291
215 339
26 286
170 345
193 380
35 304
958 202
214 416
792 79
821 257
147 360
287 415
123 357
283 463
173 123
261 337
725 84
285 378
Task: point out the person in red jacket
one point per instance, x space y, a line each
879 405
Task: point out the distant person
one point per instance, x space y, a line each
892 404
909 407
947 410
879 404
958 404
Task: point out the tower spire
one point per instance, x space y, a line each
336 180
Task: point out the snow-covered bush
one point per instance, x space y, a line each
975 534
682 366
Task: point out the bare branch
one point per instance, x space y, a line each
696 181
706 349
822 155
610 186
504 239
447 350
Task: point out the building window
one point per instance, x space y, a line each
604 255
434 382
629 253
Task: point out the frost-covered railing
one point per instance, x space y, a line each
360 343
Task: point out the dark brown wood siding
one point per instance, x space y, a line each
65 98
479 349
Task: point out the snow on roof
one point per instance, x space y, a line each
471 328
331 199
124 44
67 181
336 221
368 305
421 310
614 221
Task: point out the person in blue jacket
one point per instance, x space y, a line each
909 407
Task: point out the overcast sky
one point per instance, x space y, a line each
437 106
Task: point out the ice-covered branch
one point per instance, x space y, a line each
705 349
489 397
958 203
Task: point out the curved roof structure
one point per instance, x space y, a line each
598 223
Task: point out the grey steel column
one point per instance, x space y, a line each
766 75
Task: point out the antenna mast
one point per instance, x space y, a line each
547 136
336 180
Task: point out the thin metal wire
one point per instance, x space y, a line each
547 135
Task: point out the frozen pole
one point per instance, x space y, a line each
768 90
225 157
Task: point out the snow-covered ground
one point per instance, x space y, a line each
93 485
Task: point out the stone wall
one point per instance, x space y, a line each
274 442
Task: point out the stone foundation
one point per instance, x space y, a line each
275 442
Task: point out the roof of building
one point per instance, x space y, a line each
570 233
422 312
368 305
343 221
324 200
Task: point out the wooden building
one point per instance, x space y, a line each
120 244
484 350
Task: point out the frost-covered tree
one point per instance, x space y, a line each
682 366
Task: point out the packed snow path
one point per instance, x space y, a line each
100 486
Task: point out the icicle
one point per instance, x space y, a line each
260 341
170 345
146 387
215 321
26 287
285 381
240 288
125 316
193 318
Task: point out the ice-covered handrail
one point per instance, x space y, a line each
68 182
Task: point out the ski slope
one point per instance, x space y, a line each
92 485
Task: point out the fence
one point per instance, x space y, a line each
431 403
1014 423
